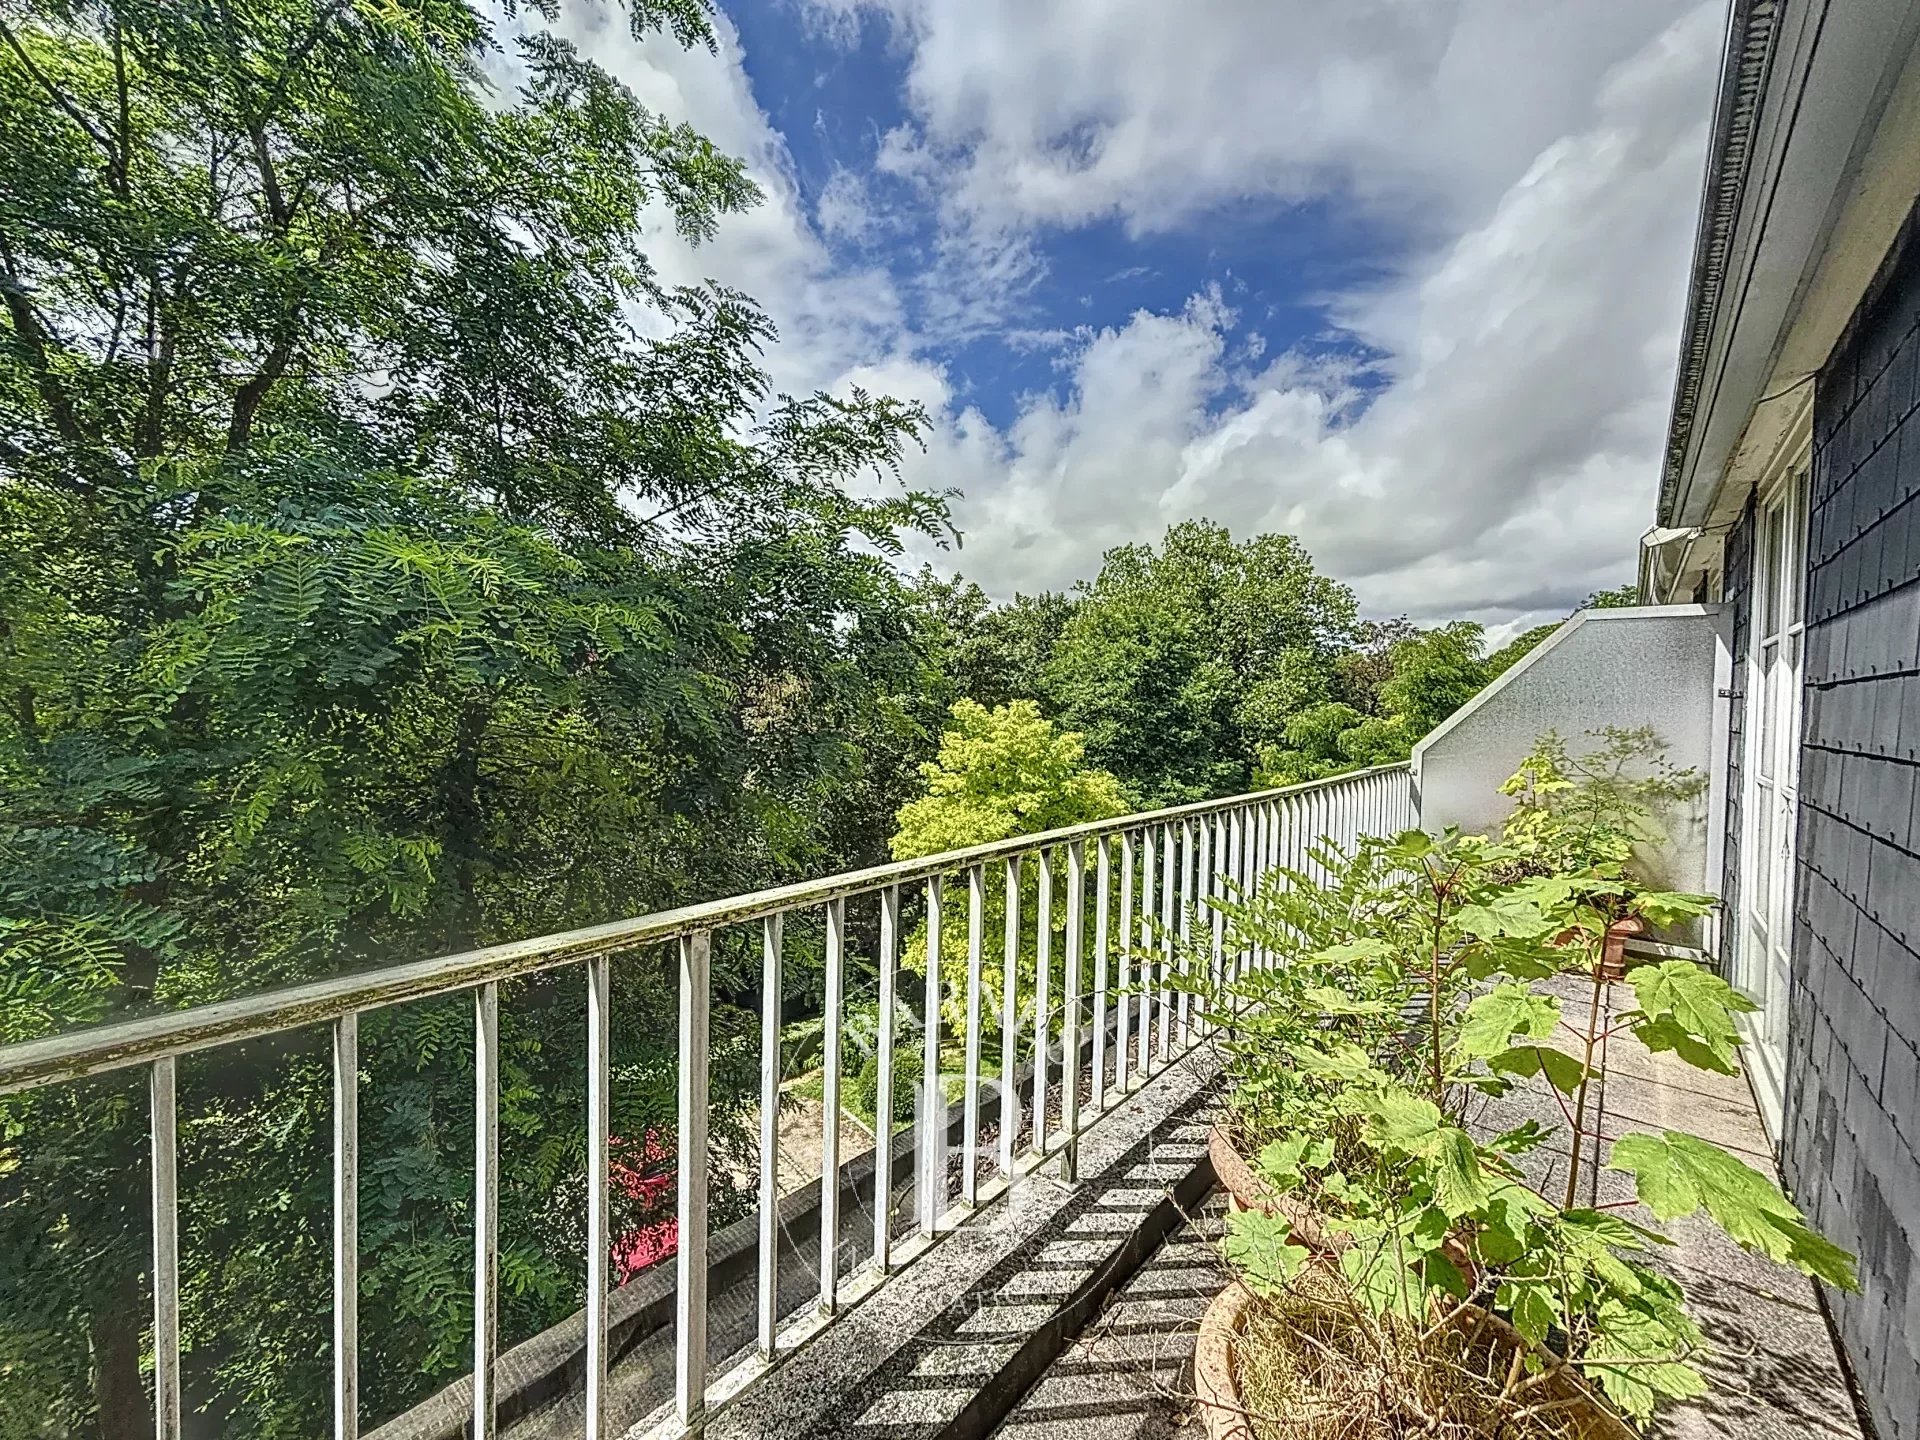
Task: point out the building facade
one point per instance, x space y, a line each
1792 496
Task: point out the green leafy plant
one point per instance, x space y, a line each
1587 813
1412 978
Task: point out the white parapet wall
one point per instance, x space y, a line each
1667 667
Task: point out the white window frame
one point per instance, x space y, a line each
1770 779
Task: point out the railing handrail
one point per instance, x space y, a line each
120 1044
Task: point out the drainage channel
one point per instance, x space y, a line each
949 1348
1129 1376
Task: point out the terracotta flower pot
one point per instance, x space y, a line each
1247 1191
1613 952
1612 964
1216 1380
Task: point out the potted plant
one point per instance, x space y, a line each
1598 813
1460 1288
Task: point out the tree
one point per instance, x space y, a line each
1001 772
1434 673
1414 678
1177 662
381 583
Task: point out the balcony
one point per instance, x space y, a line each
962 1271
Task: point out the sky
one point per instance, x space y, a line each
1403 278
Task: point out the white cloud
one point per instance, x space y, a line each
1497 453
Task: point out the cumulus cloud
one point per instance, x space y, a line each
1502 462
1481 437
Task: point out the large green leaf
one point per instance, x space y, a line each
1342 1061
1688 1010
1677 1174
1262 1248
1504 1011
1414 1126
1563 1072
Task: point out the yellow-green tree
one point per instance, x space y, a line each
1000 772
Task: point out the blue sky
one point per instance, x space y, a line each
1400 277
833 98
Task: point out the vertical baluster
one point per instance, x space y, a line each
1217 828
930 1139
166 1252
1204 911
1122 1036
1010 1017
970 1123
1102 884
1070 998
1144 970
772 987
1042 1001
1167 899
834 1013
599 1071
690 1262
1271 862
1250 875
1257 872
486 1204
883 1116
1236 821
1188 879
346 1228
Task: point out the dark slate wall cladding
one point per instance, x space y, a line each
1737 568
1853 1077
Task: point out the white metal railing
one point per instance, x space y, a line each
1170 863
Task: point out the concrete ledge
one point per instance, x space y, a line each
946 1349
550 1367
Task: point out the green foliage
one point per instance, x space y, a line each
1177 664
1588 813
1000 773
1413 680
1358 1111
395 565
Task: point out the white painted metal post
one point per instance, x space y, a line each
931 1133
1208 917
166 1252
883 1103
833 1014
599 1073
690 1261
1122 1036
772 983
1144 1060
1168 844
486 1204
1236 870
1042 1001
970 1121
1070 1009
1102 885
346 1227
1187 882
1010 1017
1222 830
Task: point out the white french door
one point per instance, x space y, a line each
1776 638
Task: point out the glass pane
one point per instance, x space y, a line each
1767 620
1788 688
1759 865
1796 583
1769 701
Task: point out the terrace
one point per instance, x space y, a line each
1023 1254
